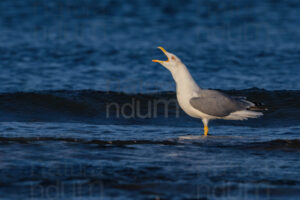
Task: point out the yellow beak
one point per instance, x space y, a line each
165 52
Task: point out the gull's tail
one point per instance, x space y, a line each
243 115
251 110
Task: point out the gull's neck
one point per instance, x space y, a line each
185 83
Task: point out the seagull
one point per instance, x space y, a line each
202 103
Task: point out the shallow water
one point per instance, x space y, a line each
85 114
63 144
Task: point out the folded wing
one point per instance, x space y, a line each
218 104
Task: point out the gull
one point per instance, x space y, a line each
202 103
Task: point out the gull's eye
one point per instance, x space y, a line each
173 58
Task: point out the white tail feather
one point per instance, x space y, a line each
243 115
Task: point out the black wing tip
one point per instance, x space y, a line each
258 108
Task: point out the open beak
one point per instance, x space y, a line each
165 52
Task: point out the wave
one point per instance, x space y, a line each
277 144
100 107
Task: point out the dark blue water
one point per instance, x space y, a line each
85 114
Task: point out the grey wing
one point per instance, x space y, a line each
218 104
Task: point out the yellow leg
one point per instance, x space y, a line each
205 130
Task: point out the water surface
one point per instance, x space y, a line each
79 111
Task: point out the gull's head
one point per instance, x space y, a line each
172 63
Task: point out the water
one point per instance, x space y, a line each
82 113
